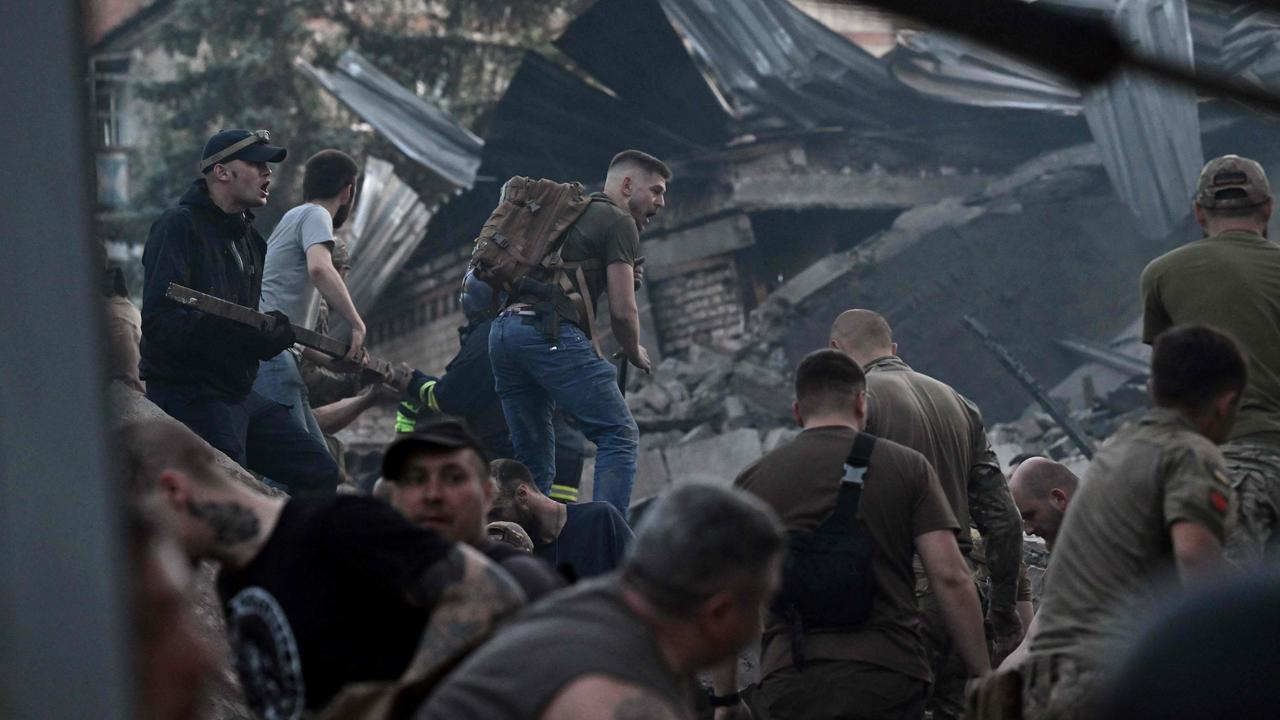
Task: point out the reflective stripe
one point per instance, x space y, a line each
406 417
564 493
429 395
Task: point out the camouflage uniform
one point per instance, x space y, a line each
1253 464
1113 547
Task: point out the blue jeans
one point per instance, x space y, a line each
531 375
280 380
255 432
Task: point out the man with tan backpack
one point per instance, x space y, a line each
554 250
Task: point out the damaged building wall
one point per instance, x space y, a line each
1055 258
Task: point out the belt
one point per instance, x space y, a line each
522 312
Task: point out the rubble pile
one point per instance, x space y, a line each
708 412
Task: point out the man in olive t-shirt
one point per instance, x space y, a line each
880 668
1230 280
1151 510
929 416
533 372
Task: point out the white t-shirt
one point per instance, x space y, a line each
286 284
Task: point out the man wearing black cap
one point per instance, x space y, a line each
319 593
1230 281
200 368
438 478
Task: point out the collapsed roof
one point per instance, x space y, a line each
422 131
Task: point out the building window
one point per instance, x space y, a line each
110 85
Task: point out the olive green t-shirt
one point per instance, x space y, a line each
901 499
604 232
1114 554
1230 282
927 415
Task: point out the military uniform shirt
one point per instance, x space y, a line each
1114 553
901 500
1230 282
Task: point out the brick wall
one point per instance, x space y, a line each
700 304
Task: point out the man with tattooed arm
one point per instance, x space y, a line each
318 593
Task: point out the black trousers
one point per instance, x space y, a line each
257 433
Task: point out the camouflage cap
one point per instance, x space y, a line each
1231 181
511 534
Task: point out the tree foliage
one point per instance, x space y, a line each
234 67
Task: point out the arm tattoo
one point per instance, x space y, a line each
232 522
642 706
468 608
439 577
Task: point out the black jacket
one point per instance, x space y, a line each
192 245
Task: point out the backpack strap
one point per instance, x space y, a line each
860 455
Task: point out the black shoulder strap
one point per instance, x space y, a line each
860 455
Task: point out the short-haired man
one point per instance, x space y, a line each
1230 280
878 667
691 594
533 373
438 478
199 368
1151 509
1042 489
318 592
581 540
299 262
929 416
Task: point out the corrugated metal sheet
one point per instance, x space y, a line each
954 69
777 67
389 223
1149 131
422 131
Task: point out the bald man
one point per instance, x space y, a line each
1041 489
930 417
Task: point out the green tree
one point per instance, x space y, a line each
234 65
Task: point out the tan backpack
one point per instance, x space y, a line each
526 232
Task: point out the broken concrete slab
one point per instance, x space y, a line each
716 459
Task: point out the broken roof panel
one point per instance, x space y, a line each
388 225
632 49
724 69
778 67
1149 131
551 123
419 129
956 70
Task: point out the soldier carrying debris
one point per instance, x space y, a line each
1230 280
200 368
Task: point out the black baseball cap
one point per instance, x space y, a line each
445 435
240 144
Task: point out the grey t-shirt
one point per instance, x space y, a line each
286 284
